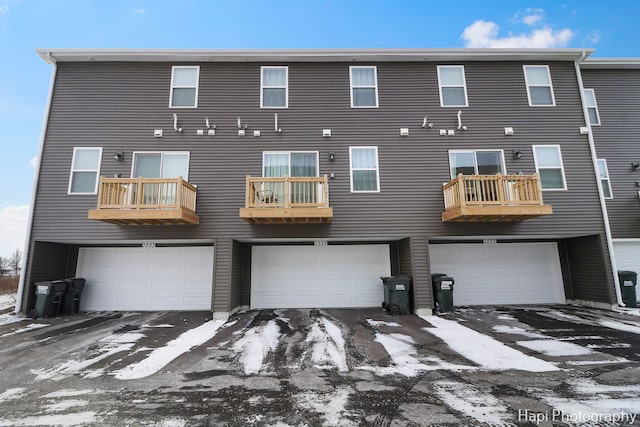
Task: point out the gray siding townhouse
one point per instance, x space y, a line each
222 179
612 95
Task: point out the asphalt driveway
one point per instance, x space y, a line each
553 365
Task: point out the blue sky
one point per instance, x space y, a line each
611 27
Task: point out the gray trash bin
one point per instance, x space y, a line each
71 298
443 292
628 281
49 298
397 298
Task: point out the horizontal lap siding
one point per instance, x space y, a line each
118 105
617 140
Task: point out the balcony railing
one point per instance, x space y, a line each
494 198
287 199
145 201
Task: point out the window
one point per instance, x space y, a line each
453 89
538 81
161 165
604 178
592 107
274 82
184 87
364 86
297 164
548 160
476 162
364 169
85 169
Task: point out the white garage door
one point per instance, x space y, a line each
318 276
504 273
172 278
627 255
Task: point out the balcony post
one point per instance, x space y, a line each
501 182
462 196
179 202
139 193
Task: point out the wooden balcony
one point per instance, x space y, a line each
493 198
287 200
145 201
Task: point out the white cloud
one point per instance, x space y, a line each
485 34
142 11
34 162
530 16
4 10
13 228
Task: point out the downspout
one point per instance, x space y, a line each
603 204
36 177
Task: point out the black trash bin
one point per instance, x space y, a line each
397 294
71 298
443 292
628 281
49 298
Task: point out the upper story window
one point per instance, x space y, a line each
364 169
453 87
539 87
548 160
364 86
169 164
592 107
603 172
274 87
289 163
184 86
476 162
85 169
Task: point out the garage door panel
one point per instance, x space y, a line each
318 276
146 278
506 273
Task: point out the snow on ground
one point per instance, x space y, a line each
113 344
503 329
12 394
328 345
6 319
71 393
7 301
471 402
555 348
255 344
482 349
612 324
160 357
63 420
63 405
406 361
331 406
29 327
377 323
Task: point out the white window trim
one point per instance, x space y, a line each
375 86
526 81
351 169
475 159
535 160
97 171
608 178
162 153
595 106
286 86
197 67
317 153
464 86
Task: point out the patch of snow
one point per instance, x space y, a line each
161 356
612 324
482 349
503 329
506 317
581 337
7 300
6 319
126 337
328 345
255 344
173 422
64 420
12 394
562 315
29 327
611 345
403 352
594 410
555 348
64 405
381 323
471 402
166 325
332 406
71 393
589 386
596 362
